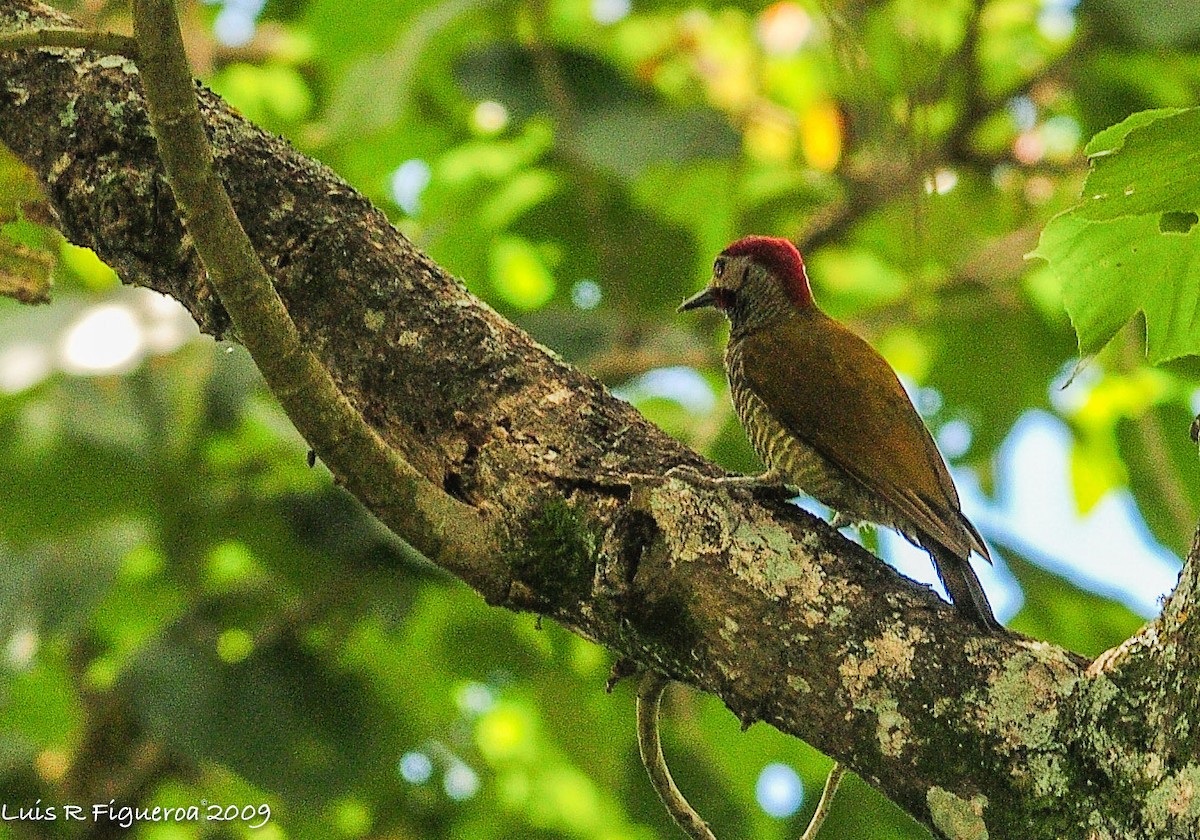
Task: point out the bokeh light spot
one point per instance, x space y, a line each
1057 24
415 768
460 782
586 294
504 732
408 182
1061 135
474 698
681 384
1039 189
610 11
954 438
1029 147
519 273
942 181
235 23
929 401
52 764
352 818
1023 111
779 791
821 135
490 116
233 27
783 28
105 339
23 365
22 647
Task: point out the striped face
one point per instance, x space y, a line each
729 276
754 269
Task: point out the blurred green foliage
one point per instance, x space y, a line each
188 612
1128 245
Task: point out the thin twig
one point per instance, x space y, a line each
70 38
650 692
831 785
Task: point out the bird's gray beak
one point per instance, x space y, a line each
704 297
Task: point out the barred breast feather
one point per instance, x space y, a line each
835 422
799 464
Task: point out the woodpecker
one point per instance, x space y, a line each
826 413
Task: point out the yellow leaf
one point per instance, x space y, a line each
821 135
1095 470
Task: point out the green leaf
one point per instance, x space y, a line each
1148 164
1176 221
1112 138
1112 269
1129 245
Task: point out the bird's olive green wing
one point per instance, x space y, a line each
838 395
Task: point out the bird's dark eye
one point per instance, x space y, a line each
719 267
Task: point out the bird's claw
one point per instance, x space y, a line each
769 481
691 475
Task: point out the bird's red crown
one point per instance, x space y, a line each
780 257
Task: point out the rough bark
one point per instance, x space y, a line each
746 597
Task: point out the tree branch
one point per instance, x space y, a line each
748 598
442 527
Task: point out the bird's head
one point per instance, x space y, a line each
754 281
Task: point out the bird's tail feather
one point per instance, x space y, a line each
964 588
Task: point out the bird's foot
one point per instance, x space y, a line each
770 481
691 475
